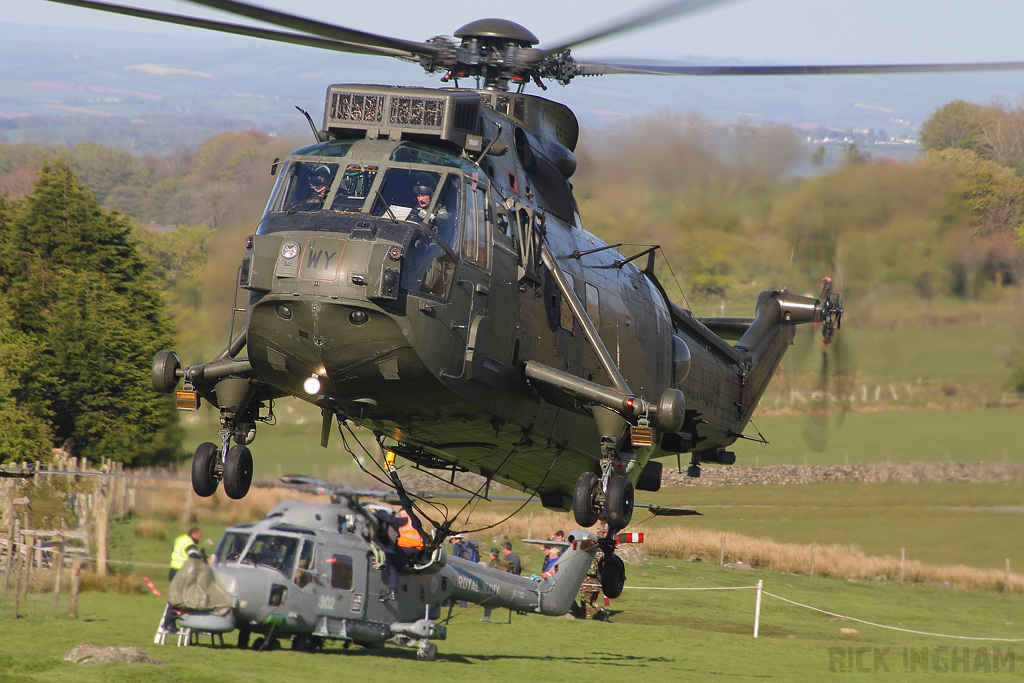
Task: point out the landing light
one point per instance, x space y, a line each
312 385
290 250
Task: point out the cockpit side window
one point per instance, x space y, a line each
275 552
341 572
307 188
429 262
304 569
353 188
230 547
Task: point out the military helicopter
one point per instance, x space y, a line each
309 572
422 270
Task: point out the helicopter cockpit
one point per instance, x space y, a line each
430 200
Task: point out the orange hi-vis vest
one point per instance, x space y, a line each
408 537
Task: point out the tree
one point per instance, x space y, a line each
79 300
959 125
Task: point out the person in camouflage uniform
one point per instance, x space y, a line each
497 562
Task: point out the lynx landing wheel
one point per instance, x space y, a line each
237 472
205 476
613 575
584 499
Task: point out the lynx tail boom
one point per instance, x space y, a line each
310 572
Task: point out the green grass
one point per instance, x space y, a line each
977 525
655 635
911 435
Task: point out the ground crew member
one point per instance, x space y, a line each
410 545
185 547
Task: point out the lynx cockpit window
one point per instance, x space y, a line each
275 552
230 547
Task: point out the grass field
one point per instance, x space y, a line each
656 635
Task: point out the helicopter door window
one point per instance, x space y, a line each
275 552
353 188
593 305
341 572
430 263
230 547
304 569
475 245
309 184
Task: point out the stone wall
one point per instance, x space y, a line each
871 473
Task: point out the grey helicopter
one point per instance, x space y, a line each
311 573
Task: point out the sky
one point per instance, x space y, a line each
755 31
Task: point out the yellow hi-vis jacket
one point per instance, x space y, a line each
180 553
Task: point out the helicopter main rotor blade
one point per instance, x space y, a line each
672 9
238 29
319 28
791 70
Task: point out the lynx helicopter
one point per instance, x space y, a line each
422 270
309 571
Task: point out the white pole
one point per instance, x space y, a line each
757 608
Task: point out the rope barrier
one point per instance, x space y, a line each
708 588
892 628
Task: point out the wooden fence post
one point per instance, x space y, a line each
76 583
11 531
100 516
58 572
17 587
721 553
1006 578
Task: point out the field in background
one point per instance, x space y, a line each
657 635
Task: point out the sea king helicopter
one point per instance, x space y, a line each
422 270
311 572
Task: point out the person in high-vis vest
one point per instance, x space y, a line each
409 545
185 546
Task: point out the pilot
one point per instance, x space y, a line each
423 193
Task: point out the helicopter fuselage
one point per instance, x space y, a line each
424 271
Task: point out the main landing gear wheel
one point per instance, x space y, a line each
204 470
428 653
584 499
613 575
618 502
237 472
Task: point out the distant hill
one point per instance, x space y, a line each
64 85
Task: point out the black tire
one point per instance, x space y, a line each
165 371
618 502
237 472
584 508
427 654
204 470
613 575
